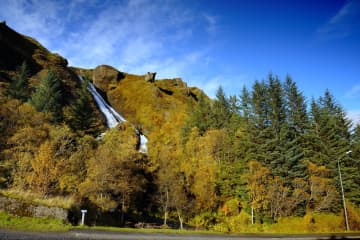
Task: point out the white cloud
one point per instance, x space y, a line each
36 18
230 83
134 36
354 115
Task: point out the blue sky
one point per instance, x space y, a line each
206 42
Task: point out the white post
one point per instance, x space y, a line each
83 211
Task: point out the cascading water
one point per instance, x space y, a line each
112 117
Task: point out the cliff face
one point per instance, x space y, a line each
149 105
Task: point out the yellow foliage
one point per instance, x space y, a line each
310 223
353 217
44 167
258 179
200 165
231 207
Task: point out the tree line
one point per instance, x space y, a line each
254 158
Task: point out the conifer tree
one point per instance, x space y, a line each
221 112
276 137
48 96
297 124
19 83
332 130
200 117
259 123
81 113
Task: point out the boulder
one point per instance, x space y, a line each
103 75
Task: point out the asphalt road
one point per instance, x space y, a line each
86 234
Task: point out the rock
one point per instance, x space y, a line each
103 75
20 208
150 77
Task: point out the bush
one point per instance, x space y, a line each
320 222
326 222
205 220
231 207
353 217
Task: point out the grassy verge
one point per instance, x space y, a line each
31 224
30 197
148 230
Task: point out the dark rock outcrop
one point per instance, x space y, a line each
104 75
150 77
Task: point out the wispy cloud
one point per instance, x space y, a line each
354 92
212 23
343 23
39 18
133 35
354 115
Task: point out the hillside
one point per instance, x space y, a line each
147 106
265 160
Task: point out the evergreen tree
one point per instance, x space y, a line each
221 112
276 137
200 117
19 83
333 132
297 124
81 113
259 124
245 103
48 96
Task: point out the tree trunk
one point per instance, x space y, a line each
180 219
166 206
252 215
122 212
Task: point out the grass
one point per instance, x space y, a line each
30 197
32 224
148 230
54 225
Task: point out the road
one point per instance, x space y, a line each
88 234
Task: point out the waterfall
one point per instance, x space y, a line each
113 117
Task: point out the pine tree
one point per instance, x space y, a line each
48 96
200 117
297 124
332 130
81 113
221 112
276 139
19 83
259 123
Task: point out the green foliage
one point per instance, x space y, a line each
19 84
81 115
201 118
48 96
221 113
